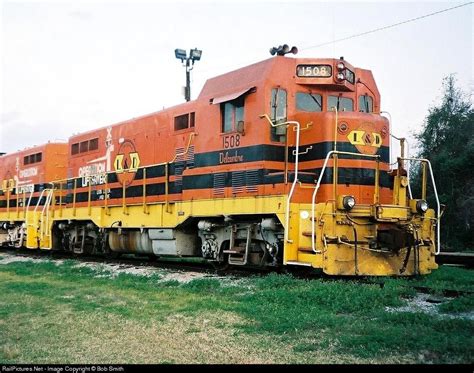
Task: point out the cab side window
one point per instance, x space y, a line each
366 104
182 122
278 114
232 112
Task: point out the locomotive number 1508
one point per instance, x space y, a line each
231 141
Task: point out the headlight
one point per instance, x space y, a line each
340 66
348 202
340 76
421 206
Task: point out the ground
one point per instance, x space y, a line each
79 312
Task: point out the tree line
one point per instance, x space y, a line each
447 140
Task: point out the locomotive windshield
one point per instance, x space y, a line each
311 102
341 103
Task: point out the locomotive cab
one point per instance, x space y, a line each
345 202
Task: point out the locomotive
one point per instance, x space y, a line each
285 162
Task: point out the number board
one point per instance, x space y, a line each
313 71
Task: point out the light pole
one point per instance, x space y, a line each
194 55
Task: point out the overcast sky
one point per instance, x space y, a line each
69 67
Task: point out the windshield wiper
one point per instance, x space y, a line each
316 100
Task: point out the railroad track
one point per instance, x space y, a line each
130 261
458 258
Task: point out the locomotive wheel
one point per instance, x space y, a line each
223 264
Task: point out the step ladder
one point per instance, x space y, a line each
239 255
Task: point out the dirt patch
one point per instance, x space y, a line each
112 270
426 303
9 258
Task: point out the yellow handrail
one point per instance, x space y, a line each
166 164
60 200
145 206
8 201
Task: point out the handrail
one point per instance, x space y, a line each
106 189
191 136
166 164
295 178
335 169
145 206
318 184
403 140
8 202
438 206
44 225
39 199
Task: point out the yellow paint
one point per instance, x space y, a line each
377 140
355 137
135 162
332 229
118 163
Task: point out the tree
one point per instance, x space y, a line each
447 140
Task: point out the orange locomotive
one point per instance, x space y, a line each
283 162
23 177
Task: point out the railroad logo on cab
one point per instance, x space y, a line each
126 163
365 138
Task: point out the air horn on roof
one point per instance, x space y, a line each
282 50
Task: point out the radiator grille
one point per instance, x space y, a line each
219 184
238 182
179 166
252 180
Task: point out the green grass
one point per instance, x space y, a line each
53 313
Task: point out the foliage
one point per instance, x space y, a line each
447 140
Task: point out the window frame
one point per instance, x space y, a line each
274 136
329 107
85 146
236 103
32 158
367 96
190 121
309 94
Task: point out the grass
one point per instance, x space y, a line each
53 313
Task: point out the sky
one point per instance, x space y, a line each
72 66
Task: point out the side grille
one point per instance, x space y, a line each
252 179
238 182
219 184
179 166
190 157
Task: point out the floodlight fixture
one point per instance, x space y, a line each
194 55
180 54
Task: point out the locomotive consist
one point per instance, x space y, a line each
283 162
